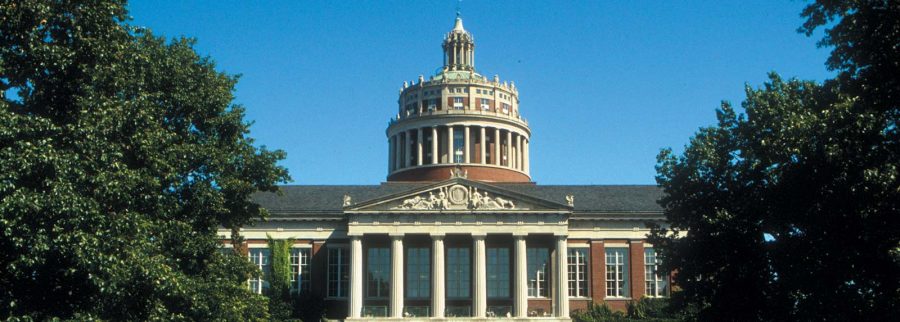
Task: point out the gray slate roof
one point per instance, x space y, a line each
593 198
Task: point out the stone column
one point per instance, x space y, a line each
407 145
450 144
434 145
479 300
562 278
391 147
438 291
496 146
520 304
356 277
396 276
519 150
527 156
509 149
419 139
466 148
483 142
398 149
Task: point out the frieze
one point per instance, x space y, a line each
456 197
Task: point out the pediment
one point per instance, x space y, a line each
457 194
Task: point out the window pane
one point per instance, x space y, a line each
617 272
538 260
498 272
655 284
418 272
260 258
300 277
578 272
338 272
458 272
378 272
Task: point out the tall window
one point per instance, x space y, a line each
300 276
498 272
485 104
617 272
418 272
505 108
457 103
260 258
458 145
379 272
578 268
459 265
656 285
432 104
537 259
338 272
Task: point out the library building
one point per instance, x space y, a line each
458 230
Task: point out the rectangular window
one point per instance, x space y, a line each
578 270
432 104
485 104
538 260
505 108
458 103
459 266
498 272
617 272
458 146
300 277
338 272
418 272
260 258
379 272
656 285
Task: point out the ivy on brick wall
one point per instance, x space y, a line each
280 278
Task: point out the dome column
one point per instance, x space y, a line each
466 150
419 139
519 157
434 145
407 145
496 146
392 162
450 144
398 150
509 149
482 155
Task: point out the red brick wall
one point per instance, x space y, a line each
598 271
579 305
319 267
637 269
540 304
474 173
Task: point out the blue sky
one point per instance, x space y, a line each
604 85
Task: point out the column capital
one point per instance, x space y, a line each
396 235
439 235
479 236
519 235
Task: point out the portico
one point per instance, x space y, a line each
487 258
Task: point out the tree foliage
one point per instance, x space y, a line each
792 210
120 155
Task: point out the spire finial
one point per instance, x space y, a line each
458 3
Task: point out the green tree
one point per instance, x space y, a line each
120 155
792 210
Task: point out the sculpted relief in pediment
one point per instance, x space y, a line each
456 197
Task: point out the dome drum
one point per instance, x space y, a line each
458 120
